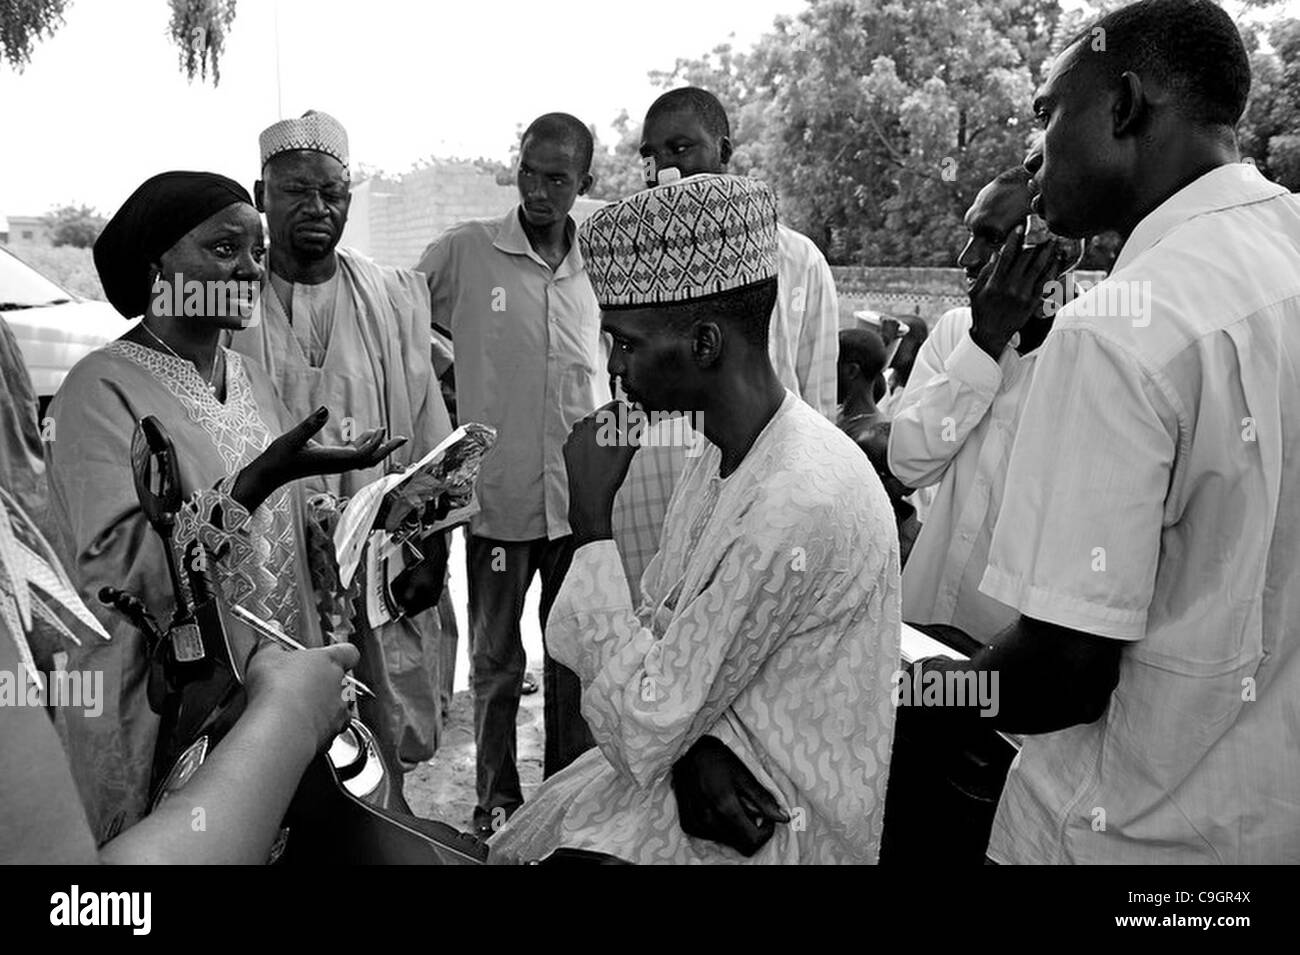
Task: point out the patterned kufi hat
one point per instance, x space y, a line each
320 132
681 242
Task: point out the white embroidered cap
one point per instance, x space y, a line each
313 130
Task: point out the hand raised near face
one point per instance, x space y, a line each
1009 290
597 455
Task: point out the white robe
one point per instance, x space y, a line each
770 620
372 368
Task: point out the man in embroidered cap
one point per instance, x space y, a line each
686 133
769 625
339 330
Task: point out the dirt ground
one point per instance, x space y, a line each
443 788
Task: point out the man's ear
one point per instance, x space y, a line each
259 193
1130 105
585 183
706 344
724 150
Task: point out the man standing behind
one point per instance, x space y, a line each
340 331
955 423
685 133
514 293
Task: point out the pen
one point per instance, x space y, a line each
274 633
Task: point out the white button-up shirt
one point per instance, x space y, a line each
530 362
953 428
1156 477
804 335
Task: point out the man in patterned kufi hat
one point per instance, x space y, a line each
686 133
769 624
340 330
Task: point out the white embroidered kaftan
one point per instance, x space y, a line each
770 620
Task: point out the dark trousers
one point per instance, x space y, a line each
499 573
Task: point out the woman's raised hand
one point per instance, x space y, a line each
294 455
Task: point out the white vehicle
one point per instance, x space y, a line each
54 328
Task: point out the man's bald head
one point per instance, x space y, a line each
706 107
860 365
565 130
685 129
866 349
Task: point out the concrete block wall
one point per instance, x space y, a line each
906 294
406 214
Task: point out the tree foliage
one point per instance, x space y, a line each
74 225
198 27
617 170
23 23
879 120
1270 129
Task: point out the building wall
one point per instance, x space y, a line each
356 234
28 232
903 293
396 219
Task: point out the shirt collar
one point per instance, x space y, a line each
1229 185
512 239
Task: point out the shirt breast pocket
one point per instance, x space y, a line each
579 389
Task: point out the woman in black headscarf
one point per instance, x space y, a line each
185 252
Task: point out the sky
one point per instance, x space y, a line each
104 105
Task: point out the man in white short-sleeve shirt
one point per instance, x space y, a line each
1152 545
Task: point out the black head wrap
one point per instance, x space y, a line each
149 223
